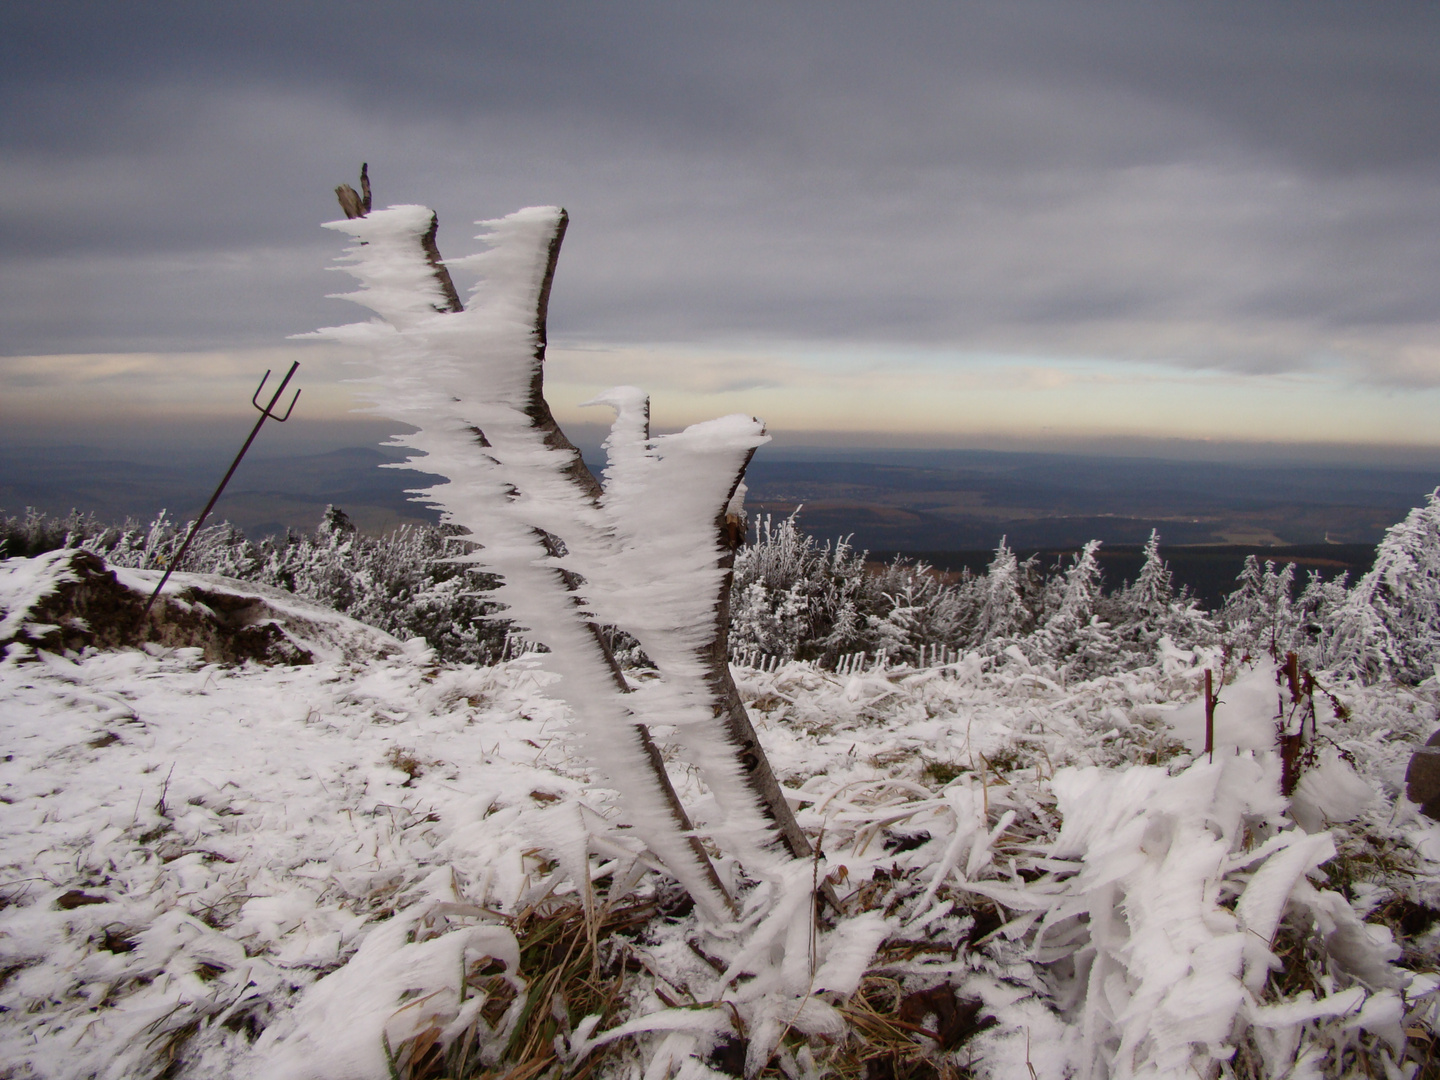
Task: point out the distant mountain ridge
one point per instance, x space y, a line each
266 495
965 500
901 500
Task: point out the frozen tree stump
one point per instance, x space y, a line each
523 486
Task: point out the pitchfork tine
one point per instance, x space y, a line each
269 410
282 419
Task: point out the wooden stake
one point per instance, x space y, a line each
1209 716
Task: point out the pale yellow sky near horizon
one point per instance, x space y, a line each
935 398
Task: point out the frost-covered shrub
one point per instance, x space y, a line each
794 598
791 597
406 582
36 533
1260 615
919 610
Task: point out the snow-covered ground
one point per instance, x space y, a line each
249 871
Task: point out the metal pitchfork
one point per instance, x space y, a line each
267 412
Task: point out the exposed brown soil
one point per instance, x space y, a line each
96 610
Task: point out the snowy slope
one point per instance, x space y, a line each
238 870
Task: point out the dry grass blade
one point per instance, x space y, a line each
889 1041
565 979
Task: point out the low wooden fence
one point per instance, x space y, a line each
930 656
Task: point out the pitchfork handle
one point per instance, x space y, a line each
266 413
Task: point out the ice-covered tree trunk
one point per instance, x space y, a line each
674 509
646 553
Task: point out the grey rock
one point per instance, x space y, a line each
1422 778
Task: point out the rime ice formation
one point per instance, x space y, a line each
645 556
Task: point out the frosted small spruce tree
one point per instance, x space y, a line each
1389 624
1079 593
1074 637
1149 609
1002 612
1153 591
1260 615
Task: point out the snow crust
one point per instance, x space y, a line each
306 853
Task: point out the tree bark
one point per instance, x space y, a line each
736 719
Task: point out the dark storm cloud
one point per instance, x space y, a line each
1243 185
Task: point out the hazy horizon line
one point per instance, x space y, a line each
303 437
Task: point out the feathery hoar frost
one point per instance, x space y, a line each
665 581
645 556
1155 917
468 381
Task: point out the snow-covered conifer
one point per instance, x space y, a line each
1002 612
1259 616
1079 593
1074 638
1153 591
1149 610
1316 609
1390 622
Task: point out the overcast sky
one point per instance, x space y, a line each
941 223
